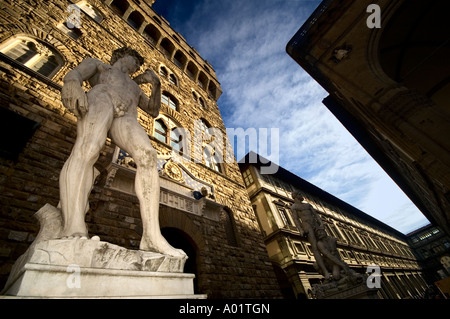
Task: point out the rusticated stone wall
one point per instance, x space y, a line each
226 267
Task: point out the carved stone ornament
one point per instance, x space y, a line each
341 53
172 170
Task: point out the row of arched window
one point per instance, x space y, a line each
149 31
42 58
166 131
169 99
33 54
45 60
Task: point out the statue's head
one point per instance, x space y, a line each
297 196
126 51
321 233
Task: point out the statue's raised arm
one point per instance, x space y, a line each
73 96
150 105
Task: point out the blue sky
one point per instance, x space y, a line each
263 87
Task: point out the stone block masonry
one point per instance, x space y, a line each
226 252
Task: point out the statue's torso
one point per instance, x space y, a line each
123 91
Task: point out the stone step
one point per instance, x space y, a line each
50 281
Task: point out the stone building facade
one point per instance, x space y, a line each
385 67
432 248
204 206
361 239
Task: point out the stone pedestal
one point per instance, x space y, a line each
84 268
354 292
345 289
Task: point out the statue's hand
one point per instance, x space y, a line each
153 109
149 76
74 98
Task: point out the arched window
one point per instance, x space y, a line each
33 54
169 132
415 52
74 33
191 70
199 99
170 101
204 125
203 80
167 47
160 131
163 72
135 20
202 103
176 140
212 89
120 6
91 11
173 79
152 34
211 159
157 20
179 59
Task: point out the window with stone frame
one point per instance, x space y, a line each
169 100
91 11
248 178
169 132
285 215
151 33
173 80
34 54
120 6
73 32
176 139
202 103
160 131
331 232
163 72
299 247
179 59
211 159
135 20
191 70
166 47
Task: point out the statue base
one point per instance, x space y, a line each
345 289
86 268
355 292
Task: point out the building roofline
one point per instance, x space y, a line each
313 189
300 39
418 230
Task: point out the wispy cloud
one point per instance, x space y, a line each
263 87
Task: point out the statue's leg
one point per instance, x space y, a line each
129 135
319 260
336 272
77 175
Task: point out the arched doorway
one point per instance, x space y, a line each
284 283
179 239
414 50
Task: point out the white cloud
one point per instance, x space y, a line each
263 88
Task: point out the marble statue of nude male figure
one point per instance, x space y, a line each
111 106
